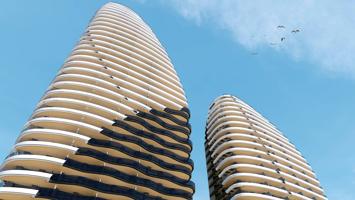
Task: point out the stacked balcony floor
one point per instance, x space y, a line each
113 124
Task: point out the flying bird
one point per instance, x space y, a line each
283 38
280 26
295 31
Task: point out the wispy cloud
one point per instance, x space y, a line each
326 36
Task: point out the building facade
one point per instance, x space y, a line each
249 158
113 124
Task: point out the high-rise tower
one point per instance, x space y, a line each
113 124
248 158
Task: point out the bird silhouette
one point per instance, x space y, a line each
283 38
295 31
280 26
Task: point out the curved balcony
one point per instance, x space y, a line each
143 39
116 19
46 148
229 116
232 114
17 193
279 168
65 125
227 130
62 151
170 117
259 188
177 133
81 106
78 184
89 88
262 170
89 53
41 162
253 196
27 160
151 187
101 111
48 193
149 56
140 155
120 31
26 177
230 105
180 165
112 87
169 141
72 114
277 135
237 151
130 63
185 127
113 69
86 129
127 13
45 162
147 146
270 181
131 32
116 78
239 124
135 22
137 60
142 56
222 132
142 166
127 144
53 135
261 154
272 152
224 118
101 187
101 32
91 98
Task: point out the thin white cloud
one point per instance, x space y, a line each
327 27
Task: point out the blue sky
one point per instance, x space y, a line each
305 85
